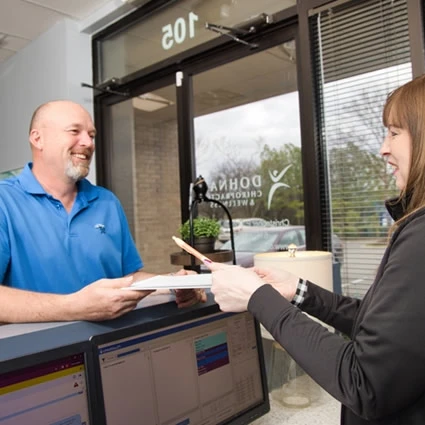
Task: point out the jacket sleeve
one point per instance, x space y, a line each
335 310
381 370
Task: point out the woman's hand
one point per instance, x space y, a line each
233 286
284 282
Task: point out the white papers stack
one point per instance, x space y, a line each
172 282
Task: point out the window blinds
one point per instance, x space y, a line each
360 53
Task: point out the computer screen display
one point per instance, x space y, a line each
45 389
206 371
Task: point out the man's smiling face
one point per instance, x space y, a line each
67 139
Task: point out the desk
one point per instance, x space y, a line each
21 339
11 330
134 358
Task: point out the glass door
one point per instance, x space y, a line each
248 149
245 132
145 172
232 117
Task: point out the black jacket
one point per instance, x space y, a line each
379 373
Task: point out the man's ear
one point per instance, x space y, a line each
36 139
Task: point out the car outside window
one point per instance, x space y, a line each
289 237
302 236
253 241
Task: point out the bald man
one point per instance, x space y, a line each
65 246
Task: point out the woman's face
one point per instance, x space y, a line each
397 150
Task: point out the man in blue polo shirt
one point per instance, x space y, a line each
65 246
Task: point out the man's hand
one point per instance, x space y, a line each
189 297
104 299
184 272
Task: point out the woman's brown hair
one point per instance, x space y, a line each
405 108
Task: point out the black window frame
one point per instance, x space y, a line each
220 51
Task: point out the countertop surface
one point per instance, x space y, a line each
8 330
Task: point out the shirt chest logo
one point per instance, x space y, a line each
100 227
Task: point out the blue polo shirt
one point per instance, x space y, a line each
45 249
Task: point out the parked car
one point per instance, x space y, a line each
239 224
272 239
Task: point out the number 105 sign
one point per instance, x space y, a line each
179 31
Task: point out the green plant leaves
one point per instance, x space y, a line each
202 227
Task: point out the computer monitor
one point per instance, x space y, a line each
46 388
207 371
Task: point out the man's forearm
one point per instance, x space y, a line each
18 306
141 275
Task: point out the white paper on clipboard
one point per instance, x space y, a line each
190 281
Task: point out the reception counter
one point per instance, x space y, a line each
33 339
156 365
26 338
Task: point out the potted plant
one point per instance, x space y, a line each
205 233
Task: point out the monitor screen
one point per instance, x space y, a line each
48 388
205 371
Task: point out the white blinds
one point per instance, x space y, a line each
360 53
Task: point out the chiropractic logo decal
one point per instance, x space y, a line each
245 191
276 183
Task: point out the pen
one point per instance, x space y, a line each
191 250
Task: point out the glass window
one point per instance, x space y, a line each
361 53
176 29
289 237
248 146
145 172
302 236
254 242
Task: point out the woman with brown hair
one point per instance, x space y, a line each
378 374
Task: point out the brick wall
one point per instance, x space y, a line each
157 191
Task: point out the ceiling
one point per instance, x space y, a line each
21 21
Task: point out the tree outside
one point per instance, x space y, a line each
268 182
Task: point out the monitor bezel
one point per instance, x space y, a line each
45 356
242 418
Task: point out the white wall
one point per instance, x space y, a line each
51 67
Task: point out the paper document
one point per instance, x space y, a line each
172 282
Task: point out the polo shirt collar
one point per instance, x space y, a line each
31 185
28 181
87 190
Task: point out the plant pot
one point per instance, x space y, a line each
203 244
